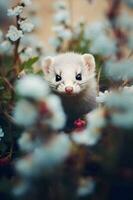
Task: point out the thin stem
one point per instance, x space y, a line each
8 83
16 54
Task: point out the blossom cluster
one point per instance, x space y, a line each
24 25
92 133
61 26
80 35
44 142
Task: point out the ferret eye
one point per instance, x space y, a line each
58 78
79 77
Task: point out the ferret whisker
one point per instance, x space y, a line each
84 83
51 85
87 80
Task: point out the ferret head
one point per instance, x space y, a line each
69 73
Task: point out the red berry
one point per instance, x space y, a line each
79 123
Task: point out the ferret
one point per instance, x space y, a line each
72 77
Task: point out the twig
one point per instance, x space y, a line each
16 54
9 117
9 84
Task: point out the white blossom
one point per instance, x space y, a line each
94 30
103 45
14 34
25 167
27 54
32 86
120 70
55 42
58 119
80 137
60 5
128 89
124 120
129 3
62 16
92 133
25 113
31 40
1 133
26 2
15 11
124 21
96 122
26 143
26 26
86 187
5 47
45 157
102 96
21 188
36 21
66 34
63 32
122 103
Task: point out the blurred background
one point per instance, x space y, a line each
91 12
103 170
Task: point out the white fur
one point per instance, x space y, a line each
67 65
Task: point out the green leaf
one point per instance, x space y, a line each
28 64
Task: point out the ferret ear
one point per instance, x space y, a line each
46 64
89 62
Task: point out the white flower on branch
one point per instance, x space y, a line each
46 157
27 144
92 133
27 54
26 26
80 137
25 113
122 104
32 40
94 30
62 16
55 42
60 5
21 188
124 21
14 34
26 2
16 11
128 89
63 32
120 70
6 47
32 86
102 96
86 187
103 45
58 119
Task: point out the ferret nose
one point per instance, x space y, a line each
69 89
